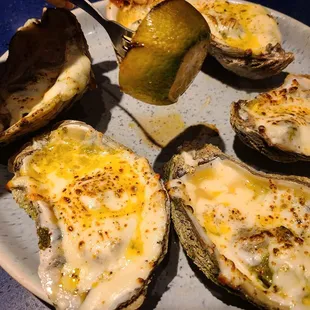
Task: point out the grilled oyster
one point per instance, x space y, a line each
277 123
52 71
246 230
245 38
101 213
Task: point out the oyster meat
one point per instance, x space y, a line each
48 68
277 123
245 37
102 217
247 231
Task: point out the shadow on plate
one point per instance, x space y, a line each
164 274
196 135
48 306
6 152
5 176
260 162
219 292
96 105
2 67
214 69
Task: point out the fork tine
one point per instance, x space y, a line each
127 39
119 56
119 35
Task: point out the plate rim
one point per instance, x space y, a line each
14 269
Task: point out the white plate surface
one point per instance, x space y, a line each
177 284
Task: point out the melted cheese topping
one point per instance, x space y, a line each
110 209
244 26
260 224
283 115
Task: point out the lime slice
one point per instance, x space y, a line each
167 52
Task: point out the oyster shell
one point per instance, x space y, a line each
102 217
48 68
247 231
245 38
277 123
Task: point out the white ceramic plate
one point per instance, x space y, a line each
177 284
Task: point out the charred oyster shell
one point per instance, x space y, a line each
48 68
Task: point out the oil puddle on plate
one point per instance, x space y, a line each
159 129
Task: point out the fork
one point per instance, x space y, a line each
119 35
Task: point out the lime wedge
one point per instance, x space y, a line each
167 52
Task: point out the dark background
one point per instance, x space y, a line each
13 14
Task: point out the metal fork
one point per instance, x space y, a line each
119 35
